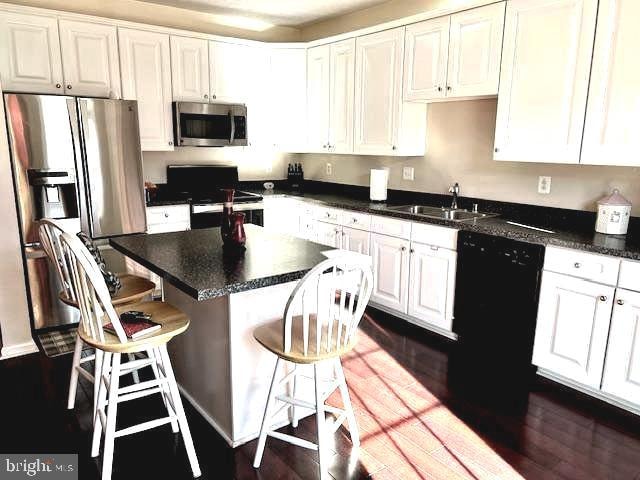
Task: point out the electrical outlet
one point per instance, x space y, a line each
329 169
407 173
544 185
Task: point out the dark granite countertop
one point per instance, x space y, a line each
193 261
165 202
579 236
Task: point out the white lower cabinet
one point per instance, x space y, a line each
572 328
432 285
328 234
390 271
622 367
355 240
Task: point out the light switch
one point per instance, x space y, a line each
544 185
407 173
329 169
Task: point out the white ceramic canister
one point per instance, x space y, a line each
613 214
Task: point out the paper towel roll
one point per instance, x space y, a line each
378 184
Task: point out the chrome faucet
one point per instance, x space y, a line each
454 190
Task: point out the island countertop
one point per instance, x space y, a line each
194 262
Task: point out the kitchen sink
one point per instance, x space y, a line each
456 215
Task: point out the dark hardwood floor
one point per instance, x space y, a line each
416 419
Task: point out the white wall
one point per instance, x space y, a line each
460 149
14 314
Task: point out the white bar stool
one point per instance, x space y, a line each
96 309
133 290
331 298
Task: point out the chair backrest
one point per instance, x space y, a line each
50 232
333 295
90 290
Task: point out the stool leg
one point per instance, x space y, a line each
293 417
75 364
182 418
165 389
97 372
320 421
265 419
112 412
134 374
346 401
98 427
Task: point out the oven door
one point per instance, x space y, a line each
210 216
209 124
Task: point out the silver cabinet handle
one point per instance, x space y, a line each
58 85
166 215
68 87
412 251
403 248
439 88
213 96
170 143
603 298
620 301
496 149
577 265
206 96
393 147
449 88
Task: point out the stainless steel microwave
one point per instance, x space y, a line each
209 124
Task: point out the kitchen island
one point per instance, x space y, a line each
220 368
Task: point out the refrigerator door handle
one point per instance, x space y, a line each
84 198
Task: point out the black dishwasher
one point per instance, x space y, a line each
496 304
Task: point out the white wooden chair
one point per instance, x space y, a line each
331 299
96 309
133 290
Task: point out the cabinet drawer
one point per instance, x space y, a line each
391 227
357 220
629 275
590 266
434 235
329 215
168 214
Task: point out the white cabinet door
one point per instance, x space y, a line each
622 368
378 90
390 271
475 49
30 58
341 100
328 234
288 94
231 72
425 59
90 59
546 60
613 110
189 69
146 77
572 327
355 240
432 285
318 77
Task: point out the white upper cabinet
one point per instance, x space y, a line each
613 109
318 81
544 78
572 328
425 59
432 285
390 271
288 99
90 59
341 101
622 369
456 56
190 69
384 124
231 72
146 77
30 59
475 49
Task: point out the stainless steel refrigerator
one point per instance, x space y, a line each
77 160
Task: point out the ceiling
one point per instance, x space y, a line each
292 13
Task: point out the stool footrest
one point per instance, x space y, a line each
295 440
145 426
295 401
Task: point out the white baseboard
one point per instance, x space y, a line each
10 351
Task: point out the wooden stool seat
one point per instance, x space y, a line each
133 290
173 322
270 337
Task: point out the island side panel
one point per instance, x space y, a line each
252 365
201 358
